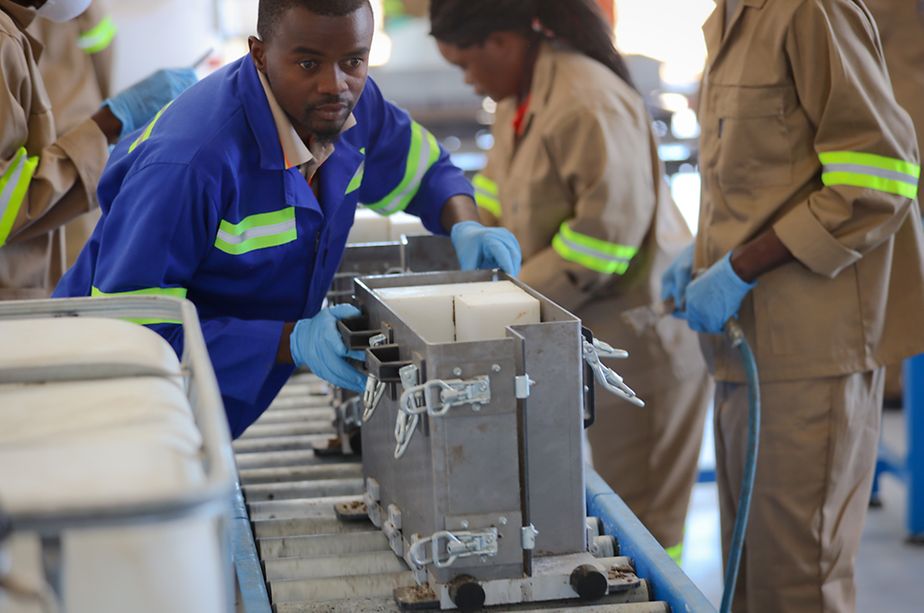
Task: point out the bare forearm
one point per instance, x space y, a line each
108 123
458 208
283 353
760 256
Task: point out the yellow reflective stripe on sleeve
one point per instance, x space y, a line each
593 253
99 37
147 131
357 179
173 292
676 553
257 232
486 195
424 152
14 184
870 171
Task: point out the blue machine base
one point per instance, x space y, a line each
909 469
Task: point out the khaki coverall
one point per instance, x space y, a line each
76 66
901 29
583 191
801 133
45 179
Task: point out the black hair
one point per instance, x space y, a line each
270 12
579 23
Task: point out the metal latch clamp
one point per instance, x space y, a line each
457 545
439 396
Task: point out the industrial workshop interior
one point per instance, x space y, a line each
363 306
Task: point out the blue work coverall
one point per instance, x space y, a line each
199 204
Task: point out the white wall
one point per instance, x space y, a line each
157 34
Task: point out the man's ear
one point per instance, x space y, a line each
258 52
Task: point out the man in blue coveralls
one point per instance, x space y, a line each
239 196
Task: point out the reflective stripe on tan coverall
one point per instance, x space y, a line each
76 67
801 133
583 192
46 180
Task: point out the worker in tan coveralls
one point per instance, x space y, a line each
76 67
901 29
810 234
574 174
47 179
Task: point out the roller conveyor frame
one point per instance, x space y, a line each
212 499
661 577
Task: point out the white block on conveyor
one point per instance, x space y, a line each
404 224
50 343
368 227
481 317
430 315
429 309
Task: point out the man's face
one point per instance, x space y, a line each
493 68
316 66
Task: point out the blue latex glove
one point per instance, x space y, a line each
677 277
480 247
316 343
135 106
714 297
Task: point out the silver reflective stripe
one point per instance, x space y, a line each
423 165
257 232
592 252
871 171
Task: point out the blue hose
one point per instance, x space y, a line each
736 335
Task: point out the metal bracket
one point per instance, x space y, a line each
605 375
392 530
406 424
522 384
375 389
351 413
528 536
457 545
372 497
451 393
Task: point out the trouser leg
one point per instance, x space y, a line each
817 454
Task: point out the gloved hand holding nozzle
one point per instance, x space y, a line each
706 300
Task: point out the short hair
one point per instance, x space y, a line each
270 12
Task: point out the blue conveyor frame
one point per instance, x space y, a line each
667 582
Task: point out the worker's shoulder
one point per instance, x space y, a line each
584 89
796 8
203 127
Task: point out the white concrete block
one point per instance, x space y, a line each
368 227
403 224
484 316
430 309
428 314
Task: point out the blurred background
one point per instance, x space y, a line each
661 40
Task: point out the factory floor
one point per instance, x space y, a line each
889 571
